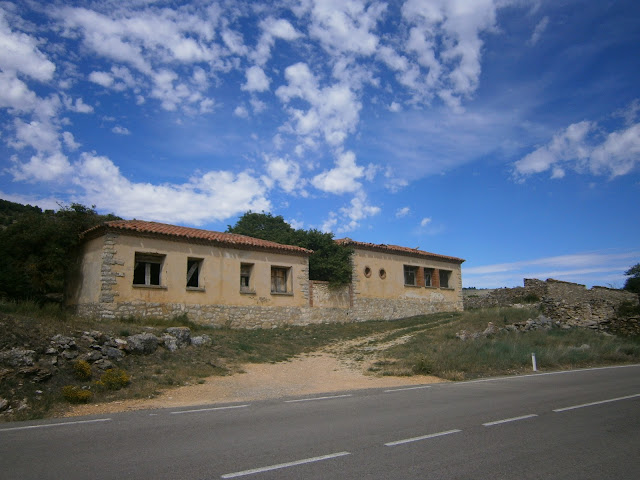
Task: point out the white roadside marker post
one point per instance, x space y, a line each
533 361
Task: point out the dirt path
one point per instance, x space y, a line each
321 372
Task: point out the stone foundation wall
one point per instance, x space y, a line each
252 317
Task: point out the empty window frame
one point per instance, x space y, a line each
445 278
194 266
147 269
428 277
245 277
280 280
410 275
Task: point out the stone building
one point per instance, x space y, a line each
138 268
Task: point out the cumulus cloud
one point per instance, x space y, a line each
215 195
285 172
333 112
425 221
402 212
257 80
120 130
581 148
272 29
343 178
357 210
42 168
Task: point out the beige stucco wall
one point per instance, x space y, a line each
219 276
393 287
83 284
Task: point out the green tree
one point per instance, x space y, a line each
633 282
329 262
36 249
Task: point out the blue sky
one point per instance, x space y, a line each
505 132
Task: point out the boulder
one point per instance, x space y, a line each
170 343
181 334
142 343
17 357
201 340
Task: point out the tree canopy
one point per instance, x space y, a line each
633 282
329 262
36 247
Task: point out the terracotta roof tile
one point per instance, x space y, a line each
141 227
382 247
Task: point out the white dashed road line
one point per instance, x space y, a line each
417 439
208 409
507 420
61 424
573 407
285 465
316 398
407 388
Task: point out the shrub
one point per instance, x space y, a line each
82 370
114 379
74 394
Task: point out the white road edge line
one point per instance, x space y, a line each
317 398
573 407
208 409
417 439
285 465
506 420
61 424
407 388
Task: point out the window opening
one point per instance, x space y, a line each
410 275
445 276
193 272
147 269
245 276
367 272
382 273
428 275
279 279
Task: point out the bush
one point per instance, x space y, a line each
114 379
82 370
74 394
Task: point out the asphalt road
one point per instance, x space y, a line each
569 425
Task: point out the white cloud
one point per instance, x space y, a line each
539 30
445 38
577 148
215 195
104 79
272 29
402 212
120 130
41 136
70 141
285 172
43 168
358 210
15 94
342 178
241 111
257 80
77 106
19 54
333 112
395 107
346 26
425 221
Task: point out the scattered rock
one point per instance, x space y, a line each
17 357
170 343
142 343
201 340
62 342
4 404
182 335
112 353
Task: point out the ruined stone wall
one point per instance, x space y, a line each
570 304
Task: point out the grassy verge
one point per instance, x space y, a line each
417 345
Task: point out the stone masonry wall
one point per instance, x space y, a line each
571 304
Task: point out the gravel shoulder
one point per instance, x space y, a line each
314 373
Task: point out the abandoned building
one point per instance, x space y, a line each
138 268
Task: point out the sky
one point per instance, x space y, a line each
504 132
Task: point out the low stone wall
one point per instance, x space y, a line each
570 304
252 317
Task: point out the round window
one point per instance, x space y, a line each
383 273
367 272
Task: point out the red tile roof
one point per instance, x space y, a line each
413 252
232 240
